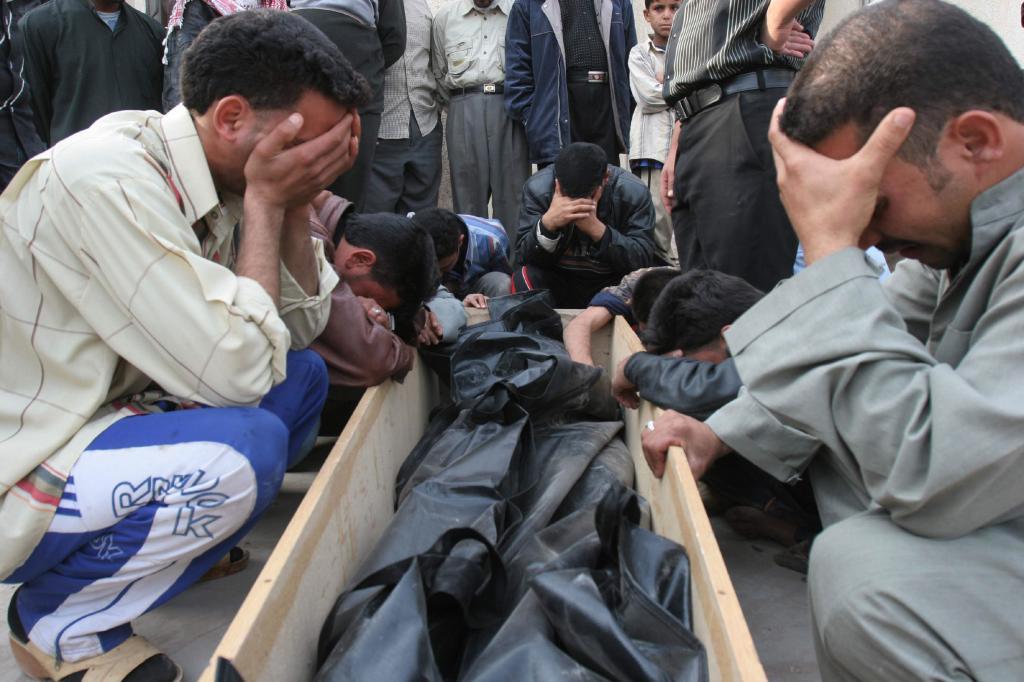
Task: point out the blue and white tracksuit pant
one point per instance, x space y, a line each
152 504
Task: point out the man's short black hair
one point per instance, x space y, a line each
692 309
270 58
580 169
924 54
646 291
405 257
444 227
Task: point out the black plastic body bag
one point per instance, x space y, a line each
517 550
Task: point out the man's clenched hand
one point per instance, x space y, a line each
699 442
830 202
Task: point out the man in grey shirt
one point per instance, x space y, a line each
903 402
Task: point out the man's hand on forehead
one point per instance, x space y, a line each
284 171
831 202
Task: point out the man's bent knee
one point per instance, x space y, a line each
494 284
307 368
262 439
870 606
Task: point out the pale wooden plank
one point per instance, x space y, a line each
678 513
273 637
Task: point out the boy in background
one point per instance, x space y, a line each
651 130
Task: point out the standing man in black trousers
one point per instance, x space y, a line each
371 35
728 63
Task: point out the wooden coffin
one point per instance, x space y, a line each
274 635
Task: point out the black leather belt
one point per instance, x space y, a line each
486 88
762 79
596 77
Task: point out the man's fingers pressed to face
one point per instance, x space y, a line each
887 138
283 133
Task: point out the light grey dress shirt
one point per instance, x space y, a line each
469 43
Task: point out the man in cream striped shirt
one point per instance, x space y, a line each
159 283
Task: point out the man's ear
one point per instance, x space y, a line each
677 353
360 261
558 187
977 136
462 239
231 116
725 329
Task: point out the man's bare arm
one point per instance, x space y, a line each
578 332
297 249
782 33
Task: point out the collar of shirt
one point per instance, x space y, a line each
994 213
496 5
653 46
189 169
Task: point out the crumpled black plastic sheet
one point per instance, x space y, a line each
517 550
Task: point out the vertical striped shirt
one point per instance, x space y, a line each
713 40
409 85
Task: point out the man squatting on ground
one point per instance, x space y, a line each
583 225
154 264
472 254
902 402
687 368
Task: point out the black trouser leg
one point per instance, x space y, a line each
591 118
728 214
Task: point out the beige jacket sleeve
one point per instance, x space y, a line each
190 324
305 316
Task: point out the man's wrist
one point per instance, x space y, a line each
814 252
546 231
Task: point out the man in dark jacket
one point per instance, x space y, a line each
583 225
566 74
19 141
85 59
371 35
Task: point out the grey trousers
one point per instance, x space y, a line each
489 159
891 605
406 174
492 284
664 239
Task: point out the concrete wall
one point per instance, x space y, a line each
1003 16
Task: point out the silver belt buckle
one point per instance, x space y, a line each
490 88
597 76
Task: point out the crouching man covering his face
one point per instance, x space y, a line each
583 226
159 284
903 402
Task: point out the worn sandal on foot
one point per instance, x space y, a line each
135 660
232 562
